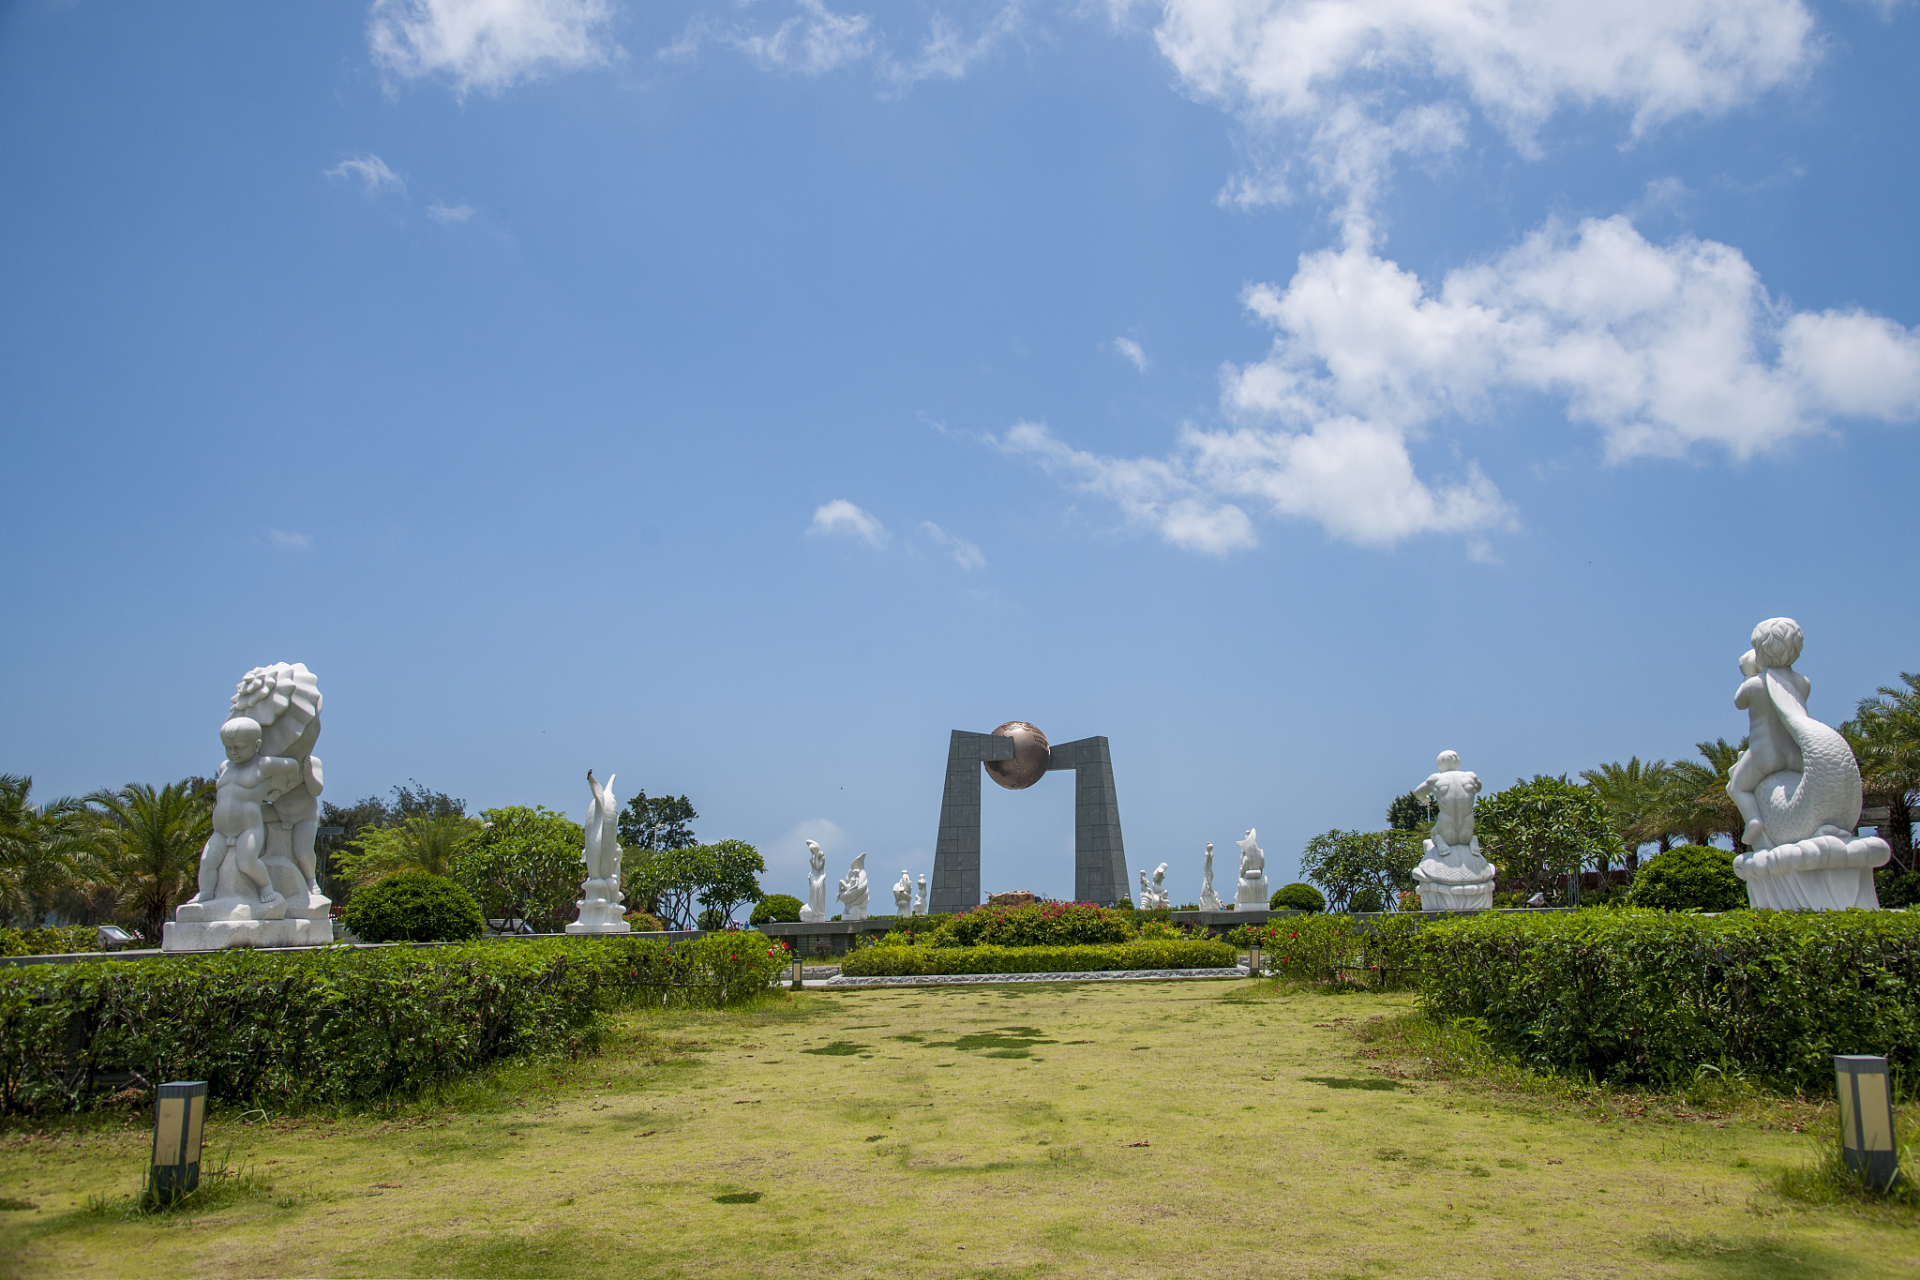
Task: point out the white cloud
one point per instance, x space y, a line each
1132 352
370 169
841 518
812 42
948 53
964 553
296 541
449 213
487 44
1322 71
816 40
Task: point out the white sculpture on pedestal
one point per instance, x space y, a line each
1209 900
853 891
903 895
256 872
1452 876
601 910
920 897
1146 894
1798 786
815 912
1252 894
1160 898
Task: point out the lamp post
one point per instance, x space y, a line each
179 1113
1866 1118
798 961
1253 958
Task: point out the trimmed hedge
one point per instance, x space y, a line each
49 940
1297 897
340 1024
1635 995
1689 877
1337 949
1049 924
896 962
776 908
413 906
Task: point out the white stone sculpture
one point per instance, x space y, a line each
1209 900
600 906
257 884
920 897
1160 898
1798 786
815 912
1252 894
1452 876
1145 902
853 891
903 895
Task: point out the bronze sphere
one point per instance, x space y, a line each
1030 755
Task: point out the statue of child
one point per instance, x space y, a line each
1453 790
247 781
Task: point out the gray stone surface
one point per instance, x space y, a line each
1100 859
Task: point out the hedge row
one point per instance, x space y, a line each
1337 949
1652 996
49 940
341 1024
895 962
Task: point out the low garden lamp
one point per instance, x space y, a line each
1253 957
1866 1118
798 961
179 1113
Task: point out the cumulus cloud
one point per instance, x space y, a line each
443 213
841 519
487 44
964 553
1323 72
370 169
1132 352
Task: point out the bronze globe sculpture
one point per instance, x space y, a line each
1030 756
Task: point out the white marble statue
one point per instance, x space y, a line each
1798 786
256 884
1160 896
600 906
1145 902
903 895
920 896
1209 900
853 891
815 912
1452 876
1252 893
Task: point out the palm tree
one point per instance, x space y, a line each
1695 802
1885 737
146 844
424 841
37 848
1632 794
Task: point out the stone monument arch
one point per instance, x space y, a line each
1017 755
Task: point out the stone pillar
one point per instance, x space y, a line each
956 852
1099 855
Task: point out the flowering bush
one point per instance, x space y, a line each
1050 924
902 961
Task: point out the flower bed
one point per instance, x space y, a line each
341 1024
896 962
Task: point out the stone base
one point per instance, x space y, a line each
600 917
217 935
852 914
1824 873
1466 897
1252 895
1454 878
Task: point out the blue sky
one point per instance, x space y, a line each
738 397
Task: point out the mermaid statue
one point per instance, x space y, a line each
1798 787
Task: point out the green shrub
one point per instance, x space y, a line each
782 908
1366 900
1635 995
1897 888
1692 876
339 1024
49 941
1338 950
1049 924
644 922
893 962
413 906
1297 897
908 930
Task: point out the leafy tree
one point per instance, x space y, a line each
525 865
662 822
667 882
1406 813
735 871
1367 866
1537 831
38 847
424 841
1695 803
413 800
146 843
1690 877
1633 795
1885 736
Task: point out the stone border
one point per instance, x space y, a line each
1093 975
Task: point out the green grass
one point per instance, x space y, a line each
1137 1129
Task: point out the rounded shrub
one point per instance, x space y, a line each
413 906
1297 897
1897 888
1690 877
646 922
776 908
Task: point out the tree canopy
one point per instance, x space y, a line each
1542 828
1368 866
525 865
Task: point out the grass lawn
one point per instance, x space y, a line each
1217 1129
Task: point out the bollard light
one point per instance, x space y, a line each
179 1113
798 961
1866 1118
1253 958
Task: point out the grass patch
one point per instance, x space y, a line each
738 1197
1373 1083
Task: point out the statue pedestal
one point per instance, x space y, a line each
1450 878
1823 873
600 910
1252 895
215 935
